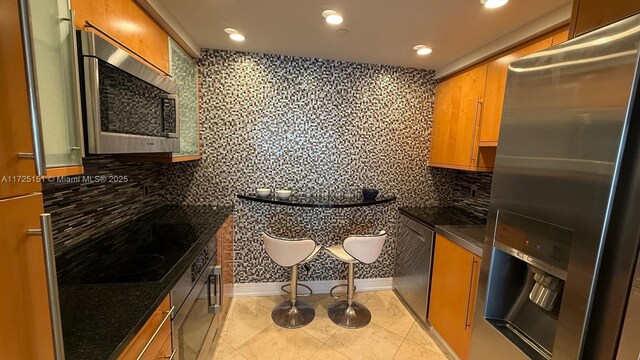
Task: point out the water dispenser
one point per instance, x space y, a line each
528 271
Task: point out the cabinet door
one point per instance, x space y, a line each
453 291
15 136
126 21
56 67
184 70
591 14
495 91
456 119
224 238
25 326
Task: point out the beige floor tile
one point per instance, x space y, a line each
269 302
412 351
235 355
388 312
373 342
278 343
359 296
321 327
221 350
419 336
327 353
246 319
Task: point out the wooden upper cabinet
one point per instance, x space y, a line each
457 118
126 21
15 136
25 325
454 284
591 14
495 90
560 37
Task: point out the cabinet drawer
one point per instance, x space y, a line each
166 351
159 322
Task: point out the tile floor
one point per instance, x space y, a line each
249 333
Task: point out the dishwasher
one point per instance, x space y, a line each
414 255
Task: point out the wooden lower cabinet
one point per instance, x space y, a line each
157 346
166 351
454 284
224 239
25 326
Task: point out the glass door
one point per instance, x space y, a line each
56 64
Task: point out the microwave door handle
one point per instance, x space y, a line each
176 132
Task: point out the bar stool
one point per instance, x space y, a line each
292 313
356 248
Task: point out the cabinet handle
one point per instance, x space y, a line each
52 282
76 68
475 127
164 320
467 323
32 93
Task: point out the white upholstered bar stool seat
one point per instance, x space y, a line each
292 313
358 248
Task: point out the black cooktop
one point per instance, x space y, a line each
142 250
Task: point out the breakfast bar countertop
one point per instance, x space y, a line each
319 201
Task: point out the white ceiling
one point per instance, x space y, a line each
380 31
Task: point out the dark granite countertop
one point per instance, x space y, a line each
99 320
319 202
433 216
469 237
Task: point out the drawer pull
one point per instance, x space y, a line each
166 317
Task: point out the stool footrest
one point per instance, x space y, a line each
340 296
283 288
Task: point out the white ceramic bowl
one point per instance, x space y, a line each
283 194
263 192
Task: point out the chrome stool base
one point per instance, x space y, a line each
291 316
350 317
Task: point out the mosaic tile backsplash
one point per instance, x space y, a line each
312 125
109 194
462 198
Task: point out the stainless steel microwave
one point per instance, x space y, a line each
128 107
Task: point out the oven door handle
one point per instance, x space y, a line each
217 289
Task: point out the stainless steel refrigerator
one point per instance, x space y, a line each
564 220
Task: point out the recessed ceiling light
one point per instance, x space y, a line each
234 34
332 17
422 50
492 4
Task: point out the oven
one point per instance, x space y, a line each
198 299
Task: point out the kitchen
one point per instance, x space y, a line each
303 180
